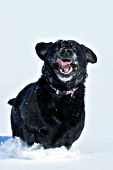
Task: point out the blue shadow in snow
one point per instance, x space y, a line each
4 138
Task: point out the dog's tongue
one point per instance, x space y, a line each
64 65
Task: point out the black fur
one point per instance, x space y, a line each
51 111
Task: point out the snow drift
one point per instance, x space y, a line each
16 148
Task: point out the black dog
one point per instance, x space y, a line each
51 110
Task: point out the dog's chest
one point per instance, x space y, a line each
58 108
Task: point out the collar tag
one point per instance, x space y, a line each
57 91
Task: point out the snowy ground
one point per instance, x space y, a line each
15 154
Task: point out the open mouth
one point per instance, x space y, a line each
65 66
65 69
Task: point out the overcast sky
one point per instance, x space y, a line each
23 23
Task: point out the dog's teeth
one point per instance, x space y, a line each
66 71
71 69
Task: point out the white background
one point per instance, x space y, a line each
23 23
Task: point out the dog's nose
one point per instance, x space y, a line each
66 50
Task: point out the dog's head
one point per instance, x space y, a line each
65 61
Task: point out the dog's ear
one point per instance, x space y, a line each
91 57
42 48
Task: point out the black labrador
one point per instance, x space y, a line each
51 111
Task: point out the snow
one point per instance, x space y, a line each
16 148
14 153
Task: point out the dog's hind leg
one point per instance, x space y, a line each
19 129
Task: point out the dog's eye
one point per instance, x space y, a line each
71 43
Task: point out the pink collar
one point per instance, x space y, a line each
71 92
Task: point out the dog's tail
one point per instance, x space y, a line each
11 102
